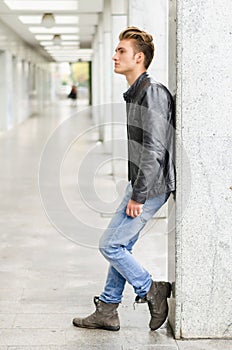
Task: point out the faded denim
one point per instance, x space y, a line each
116 246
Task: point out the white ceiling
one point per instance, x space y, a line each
76 22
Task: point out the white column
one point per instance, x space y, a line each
95 72
15 89
201 306
101 75
46 86
19 79
108 72
39 88
119 22
32 89
25 91
53 69
98 73
6 91
152 16
119 86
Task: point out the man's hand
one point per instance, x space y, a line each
134 208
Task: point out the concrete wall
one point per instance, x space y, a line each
202 305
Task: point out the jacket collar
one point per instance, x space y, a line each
133 90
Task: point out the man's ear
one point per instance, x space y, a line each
139 57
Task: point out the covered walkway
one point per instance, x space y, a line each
50 264
47 279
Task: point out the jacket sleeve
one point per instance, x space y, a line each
156 117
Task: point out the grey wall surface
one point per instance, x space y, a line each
202 305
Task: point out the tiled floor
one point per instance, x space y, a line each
48 277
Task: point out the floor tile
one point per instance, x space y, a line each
207 344
32 337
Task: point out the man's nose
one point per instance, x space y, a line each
114 57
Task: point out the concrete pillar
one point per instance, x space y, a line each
15 89
98 77
119 22
25 91
101 59
53 70
102 72
39 88
201 307
6 91
108 72
107 56
95 74
19 79
152 16
47 83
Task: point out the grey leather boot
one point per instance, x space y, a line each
105 317
157 303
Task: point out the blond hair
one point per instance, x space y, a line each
143 42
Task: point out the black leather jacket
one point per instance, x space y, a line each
150 116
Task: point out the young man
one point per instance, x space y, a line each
151 175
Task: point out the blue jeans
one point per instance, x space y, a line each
116 246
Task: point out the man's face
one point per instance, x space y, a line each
124 57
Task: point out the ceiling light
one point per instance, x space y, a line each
67 48
70 43
70 37
57 39
67 19
54 30
47 43
68 54
48 20
62 51
44 37
64 54
62 43
30 19
65 59
33 20
42 5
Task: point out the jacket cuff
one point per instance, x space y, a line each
138 197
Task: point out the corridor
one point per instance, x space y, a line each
46 278
63 171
